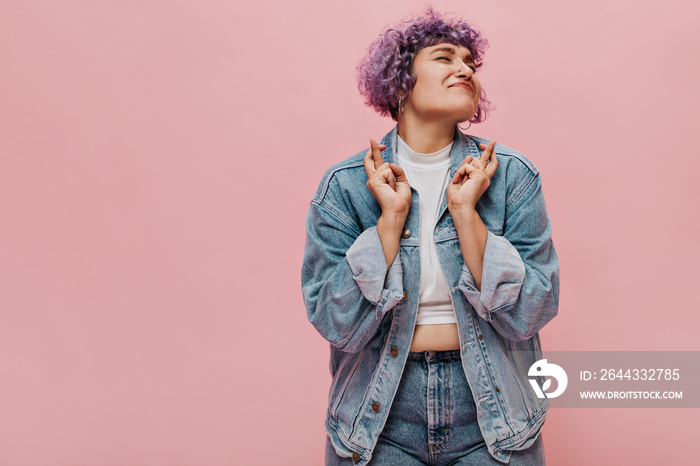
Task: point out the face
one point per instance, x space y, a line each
442 91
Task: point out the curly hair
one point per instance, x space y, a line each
386 68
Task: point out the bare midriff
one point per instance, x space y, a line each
439 337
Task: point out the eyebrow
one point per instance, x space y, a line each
452 51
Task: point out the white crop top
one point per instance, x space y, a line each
427 174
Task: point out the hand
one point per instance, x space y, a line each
387 182
472 179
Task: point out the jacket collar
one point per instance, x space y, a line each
462 145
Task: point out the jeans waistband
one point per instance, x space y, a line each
431 355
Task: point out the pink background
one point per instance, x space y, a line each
156 162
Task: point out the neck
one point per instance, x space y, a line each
425 136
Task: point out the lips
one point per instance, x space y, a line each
464 85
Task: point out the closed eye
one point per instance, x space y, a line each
473 67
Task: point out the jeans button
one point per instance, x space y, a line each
355 456
375 407
406 233
394 351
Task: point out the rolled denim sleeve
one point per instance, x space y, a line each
368 265
346 287
520 276
501 280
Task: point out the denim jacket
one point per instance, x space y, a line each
368 314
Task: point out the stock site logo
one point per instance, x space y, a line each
543 368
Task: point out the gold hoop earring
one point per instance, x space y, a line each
464 129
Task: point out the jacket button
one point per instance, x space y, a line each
405 296
498 389
394 352
355 456
375 407
481 337
406 233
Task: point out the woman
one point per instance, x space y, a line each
430 269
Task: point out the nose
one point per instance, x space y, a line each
464 70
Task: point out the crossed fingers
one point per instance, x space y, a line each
373 161
487 162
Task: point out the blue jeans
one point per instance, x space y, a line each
432 420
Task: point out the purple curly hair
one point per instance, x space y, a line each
386 68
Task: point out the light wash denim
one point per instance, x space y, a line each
368 314
433 420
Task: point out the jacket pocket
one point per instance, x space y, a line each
341 380
523 355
